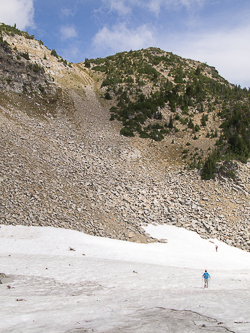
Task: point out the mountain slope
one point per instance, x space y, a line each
65 164
160 95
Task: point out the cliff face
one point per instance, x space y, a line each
26 80
21 75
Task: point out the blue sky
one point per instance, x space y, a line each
213 31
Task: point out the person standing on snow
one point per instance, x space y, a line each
206 276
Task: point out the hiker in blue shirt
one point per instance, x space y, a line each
206 276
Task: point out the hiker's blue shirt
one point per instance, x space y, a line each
206 275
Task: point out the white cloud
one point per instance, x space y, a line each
125 7
227 50
20 12
156 5
118 6
72 52
68 32
120 38
189 3
66 12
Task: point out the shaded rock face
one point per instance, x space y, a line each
19 75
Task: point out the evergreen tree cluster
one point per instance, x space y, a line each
234 142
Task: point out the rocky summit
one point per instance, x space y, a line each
65 164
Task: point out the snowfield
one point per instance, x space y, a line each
66 281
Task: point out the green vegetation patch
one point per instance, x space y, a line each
145 82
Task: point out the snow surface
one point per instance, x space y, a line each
67 281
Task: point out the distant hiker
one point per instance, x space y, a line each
216 248
206 276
